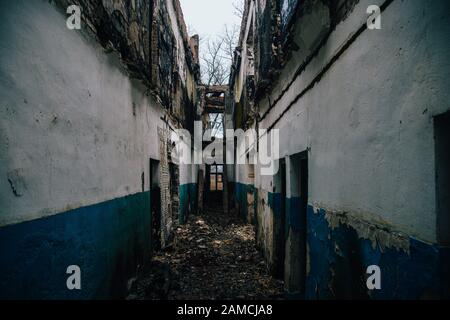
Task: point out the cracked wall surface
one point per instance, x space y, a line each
80 116
330 88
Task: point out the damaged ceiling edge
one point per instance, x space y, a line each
128 31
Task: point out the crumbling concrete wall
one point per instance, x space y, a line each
179 70
164 179
152 41
80 116
353 99
123 26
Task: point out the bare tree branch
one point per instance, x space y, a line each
230 38
239 8
217 56
213 67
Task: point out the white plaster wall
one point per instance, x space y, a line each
188 173
265 182
369 121
185 173
241 173
292 177
194 173
67 123
265 225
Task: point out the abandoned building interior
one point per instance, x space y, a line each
90 117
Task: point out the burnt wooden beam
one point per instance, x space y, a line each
216 89
214 109
215 101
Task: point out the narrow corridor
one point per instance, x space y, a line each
213 256
322 125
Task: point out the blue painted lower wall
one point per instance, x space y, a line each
240 193
107 241
292 211
339 259
293 219
188 199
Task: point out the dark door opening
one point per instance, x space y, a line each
201 191
174 172
303 183
215 184
251 203
280 233
295 265
442 162
155 204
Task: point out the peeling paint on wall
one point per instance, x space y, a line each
16 181
379 235
164 179
338 258
83 110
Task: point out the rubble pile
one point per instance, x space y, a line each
212 257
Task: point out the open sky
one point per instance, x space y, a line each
208 17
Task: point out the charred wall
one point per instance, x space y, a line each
143 33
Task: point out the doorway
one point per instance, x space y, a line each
215 183
280 222
442 164
155 205
295 266
303 220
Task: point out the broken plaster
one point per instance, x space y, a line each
381 236
16 182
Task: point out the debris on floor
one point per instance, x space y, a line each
213 257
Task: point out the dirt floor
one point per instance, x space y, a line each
213 257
